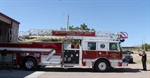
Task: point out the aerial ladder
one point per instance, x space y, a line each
40 34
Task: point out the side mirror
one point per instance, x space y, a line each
122 40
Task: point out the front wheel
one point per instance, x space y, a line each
101 66
30 64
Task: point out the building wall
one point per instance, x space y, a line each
15 32
8 29
4 19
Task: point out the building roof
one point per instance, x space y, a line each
9 17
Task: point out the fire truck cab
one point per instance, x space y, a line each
100 52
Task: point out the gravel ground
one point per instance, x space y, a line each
137 57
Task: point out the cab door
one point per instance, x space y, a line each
89 50
114 51
103 49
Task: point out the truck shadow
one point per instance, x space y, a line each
113 70
76 69
14 72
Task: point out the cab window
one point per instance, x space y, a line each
113 46
91 45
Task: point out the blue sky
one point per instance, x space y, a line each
131 16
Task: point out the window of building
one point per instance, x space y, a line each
91 45
113 46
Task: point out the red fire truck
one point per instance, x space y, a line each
99 50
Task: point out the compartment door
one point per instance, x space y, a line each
71 56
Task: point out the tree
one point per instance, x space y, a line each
63 28
81 27
84 27
146 47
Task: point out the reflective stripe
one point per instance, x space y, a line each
115 60
26 49
84 60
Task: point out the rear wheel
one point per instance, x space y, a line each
101 66
30 64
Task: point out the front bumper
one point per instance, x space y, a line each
122 64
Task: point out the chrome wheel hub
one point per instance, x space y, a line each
29 64
102 66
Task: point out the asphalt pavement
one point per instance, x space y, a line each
131 71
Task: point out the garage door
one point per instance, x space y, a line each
4 28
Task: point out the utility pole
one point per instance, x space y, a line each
144 42
67 23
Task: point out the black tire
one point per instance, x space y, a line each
30 64
101 66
